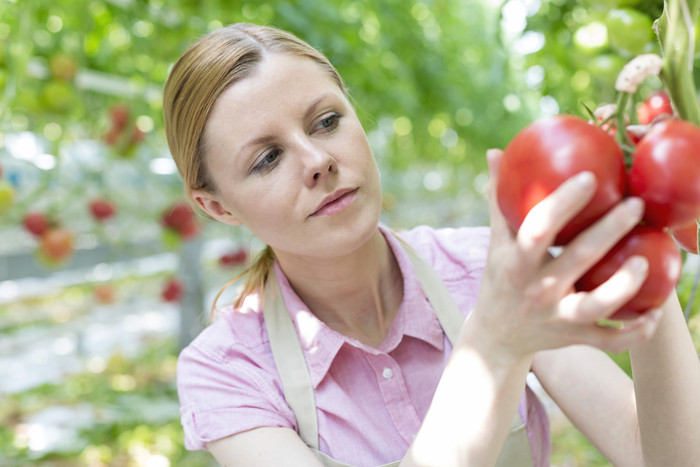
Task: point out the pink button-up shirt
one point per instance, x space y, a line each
370 401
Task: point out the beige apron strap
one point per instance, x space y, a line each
516 451
444 307
290 361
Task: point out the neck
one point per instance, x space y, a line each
357 294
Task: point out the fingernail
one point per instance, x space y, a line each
584 179
635 206
656 315
639 263
492 153
653 318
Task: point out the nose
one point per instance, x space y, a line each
317 162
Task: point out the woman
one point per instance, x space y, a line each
347 345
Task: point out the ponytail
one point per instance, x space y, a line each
255 277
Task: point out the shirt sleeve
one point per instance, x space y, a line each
225 390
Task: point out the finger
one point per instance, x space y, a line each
499 225
584 251
610 296
549 216
633 332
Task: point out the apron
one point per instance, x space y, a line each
298 390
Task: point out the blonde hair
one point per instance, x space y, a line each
204 71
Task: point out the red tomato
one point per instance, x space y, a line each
178 216
36 223
137 136
57 244
190 229
687 237
101 209
234 258
665 173
112 136
548 152
120 116
172 291
664 269
104 293
657 103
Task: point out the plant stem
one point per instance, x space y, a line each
623 99
676 33
691 299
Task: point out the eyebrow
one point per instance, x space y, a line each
310 110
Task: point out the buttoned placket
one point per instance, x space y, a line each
397 400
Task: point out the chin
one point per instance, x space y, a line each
362 231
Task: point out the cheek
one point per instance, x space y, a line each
369 162
262 204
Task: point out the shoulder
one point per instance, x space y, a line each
455 253
236 338
242 327
227 380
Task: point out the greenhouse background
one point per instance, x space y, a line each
92 316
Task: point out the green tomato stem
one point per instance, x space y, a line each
623 100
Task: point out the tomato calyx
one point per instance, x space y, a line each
610 117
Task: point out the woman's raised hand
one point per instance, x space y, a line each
527 301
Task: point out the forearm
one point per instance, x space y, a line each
666 375
472 409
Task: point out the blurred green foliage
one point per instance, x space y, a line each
430 76
588 43
436 82
133 417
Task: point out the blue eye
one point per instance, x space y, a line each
269 161
330 122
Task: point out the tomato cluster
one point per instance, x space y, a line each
664 172
55 243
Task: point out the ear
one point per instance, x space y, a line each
211 204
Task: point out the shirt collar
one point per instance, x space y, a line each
415 317
320 344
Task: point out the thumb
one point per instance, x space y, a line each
499 225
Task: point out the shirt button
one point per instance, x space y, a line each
387 373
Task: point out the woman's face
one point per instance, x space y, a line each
291 161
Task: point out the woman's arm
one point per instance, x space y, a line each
597 397
263 447
526 305
652 421
472 409
666 374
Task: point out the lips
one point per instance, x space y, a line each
335 202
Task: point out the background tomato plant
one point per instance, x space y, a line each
435 83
